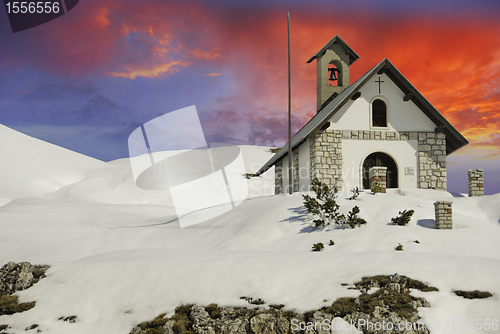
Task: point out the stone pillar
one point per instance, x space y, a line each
476 182
295 154
326 157
278 178
443 215
378 174
432 160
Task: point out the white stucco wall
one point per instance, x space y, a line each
402 116
304 166
404 153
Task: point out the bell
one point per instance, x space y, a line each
332 71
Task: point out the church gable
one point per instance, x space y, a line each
380 106
380 122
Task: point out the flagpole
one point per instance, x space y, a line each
290 158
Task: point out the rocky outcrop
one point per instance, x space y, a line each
16 277
388 310
20 276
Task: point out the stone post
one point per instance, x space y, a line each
443 215
378 174
476 182
296 170
278 178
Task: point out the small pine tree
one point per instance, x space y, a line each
326 208
324 205
352 218
403 218
376 187
331 243
355 193
399 247
318 247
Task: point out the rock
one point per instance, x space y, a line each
168 328
20 276
31 327
395 278
199 316
263 324
394 286
71 319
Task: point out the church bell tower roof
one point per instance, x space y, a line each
353 56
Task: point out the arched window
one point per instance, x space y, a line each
379 113
379 159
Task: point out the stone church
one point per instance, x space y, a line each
378 128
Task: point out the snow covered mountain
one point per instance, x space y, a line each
32 167
119 257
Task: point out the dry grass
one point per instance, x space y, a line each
274 149
9 305
476 294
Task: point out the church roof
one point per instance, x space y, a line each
353 56
454 139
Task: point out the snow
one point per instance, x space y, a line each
119 257
32 167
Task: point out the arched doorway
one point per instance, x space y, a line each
379 159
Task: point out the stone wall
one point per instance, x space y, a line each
443 212
379 135
295 154
326 157
278 178
432 160
431 153
476 182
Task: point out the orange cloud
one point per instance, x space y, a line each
100 17
212 74
155 71
205 54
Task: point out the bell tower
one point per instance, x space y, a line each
332 63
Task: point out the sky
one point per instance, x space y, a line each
87 79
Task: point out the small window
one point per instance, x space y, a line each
379 114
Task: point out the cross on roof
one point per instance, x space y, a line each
379 82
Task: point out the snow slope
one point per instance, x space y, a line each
31 167
118 256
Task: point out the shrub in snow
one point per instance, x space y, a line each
352 218
403 218
355 193
331 243
399 247
326 208
376 187
318 247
